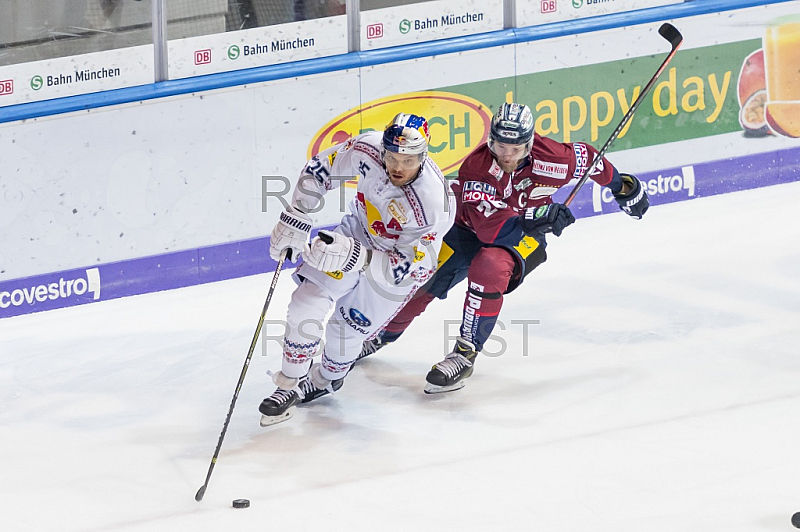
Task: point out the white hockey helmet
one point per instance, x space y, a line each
407 134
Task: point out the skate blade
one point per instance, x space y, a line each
267 421
432 388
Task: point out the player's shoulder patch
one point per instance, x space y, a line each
495 170
581 158
522 185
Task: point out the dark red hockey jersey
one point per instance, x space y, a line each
490 200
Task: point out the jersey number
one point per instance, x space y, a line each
316 169
486 208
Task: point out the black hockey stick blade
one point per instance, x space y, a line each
674 37
200 493
671 34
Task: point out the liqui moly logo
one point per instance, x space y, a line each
64 288
476 191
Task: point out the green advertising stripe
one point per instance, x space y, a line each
696 96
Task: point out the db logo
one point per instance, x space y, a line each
6 87
548 6
374 31
202 57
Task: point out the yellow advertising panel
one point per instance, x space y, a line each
457 123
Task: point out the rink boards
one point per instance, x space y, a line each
249 257
177 191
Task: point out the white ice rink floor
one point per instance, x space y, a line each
659 392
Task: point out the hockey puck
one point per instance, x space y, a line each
796 520
241 503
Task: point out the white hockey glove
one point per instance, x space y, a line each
332 251
290 232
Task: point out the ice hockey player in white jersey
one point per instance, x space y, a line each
365 269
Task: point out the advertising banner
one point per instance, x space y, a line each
78 74
534 12
429 21
695 97
457 124
184 190
266 45
695 181
705 92
781 56
48 292
131 277
225 261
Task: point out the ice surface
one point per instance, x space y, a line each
660 392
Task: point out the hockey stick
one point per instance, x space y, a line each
674 37
287 254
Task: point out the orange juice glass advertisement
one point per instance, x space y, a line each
782 65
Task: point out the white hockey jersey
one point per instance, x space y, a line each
404 226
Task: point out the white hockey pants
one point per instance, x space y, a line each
362 303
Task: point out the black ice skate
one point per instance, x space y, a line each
311 392
449 374
278 407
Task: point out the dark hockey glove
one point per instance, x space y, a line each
551 218
635 203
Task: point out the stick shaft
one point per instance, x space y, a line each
675 40
201 492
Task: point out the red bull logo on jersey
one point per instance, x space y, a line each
456 124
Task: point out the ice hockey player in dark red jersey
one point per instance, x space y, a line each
504 210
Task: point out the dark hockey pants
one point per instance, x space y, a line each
489 271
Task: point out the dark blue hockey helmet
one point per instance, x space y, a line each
512 124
